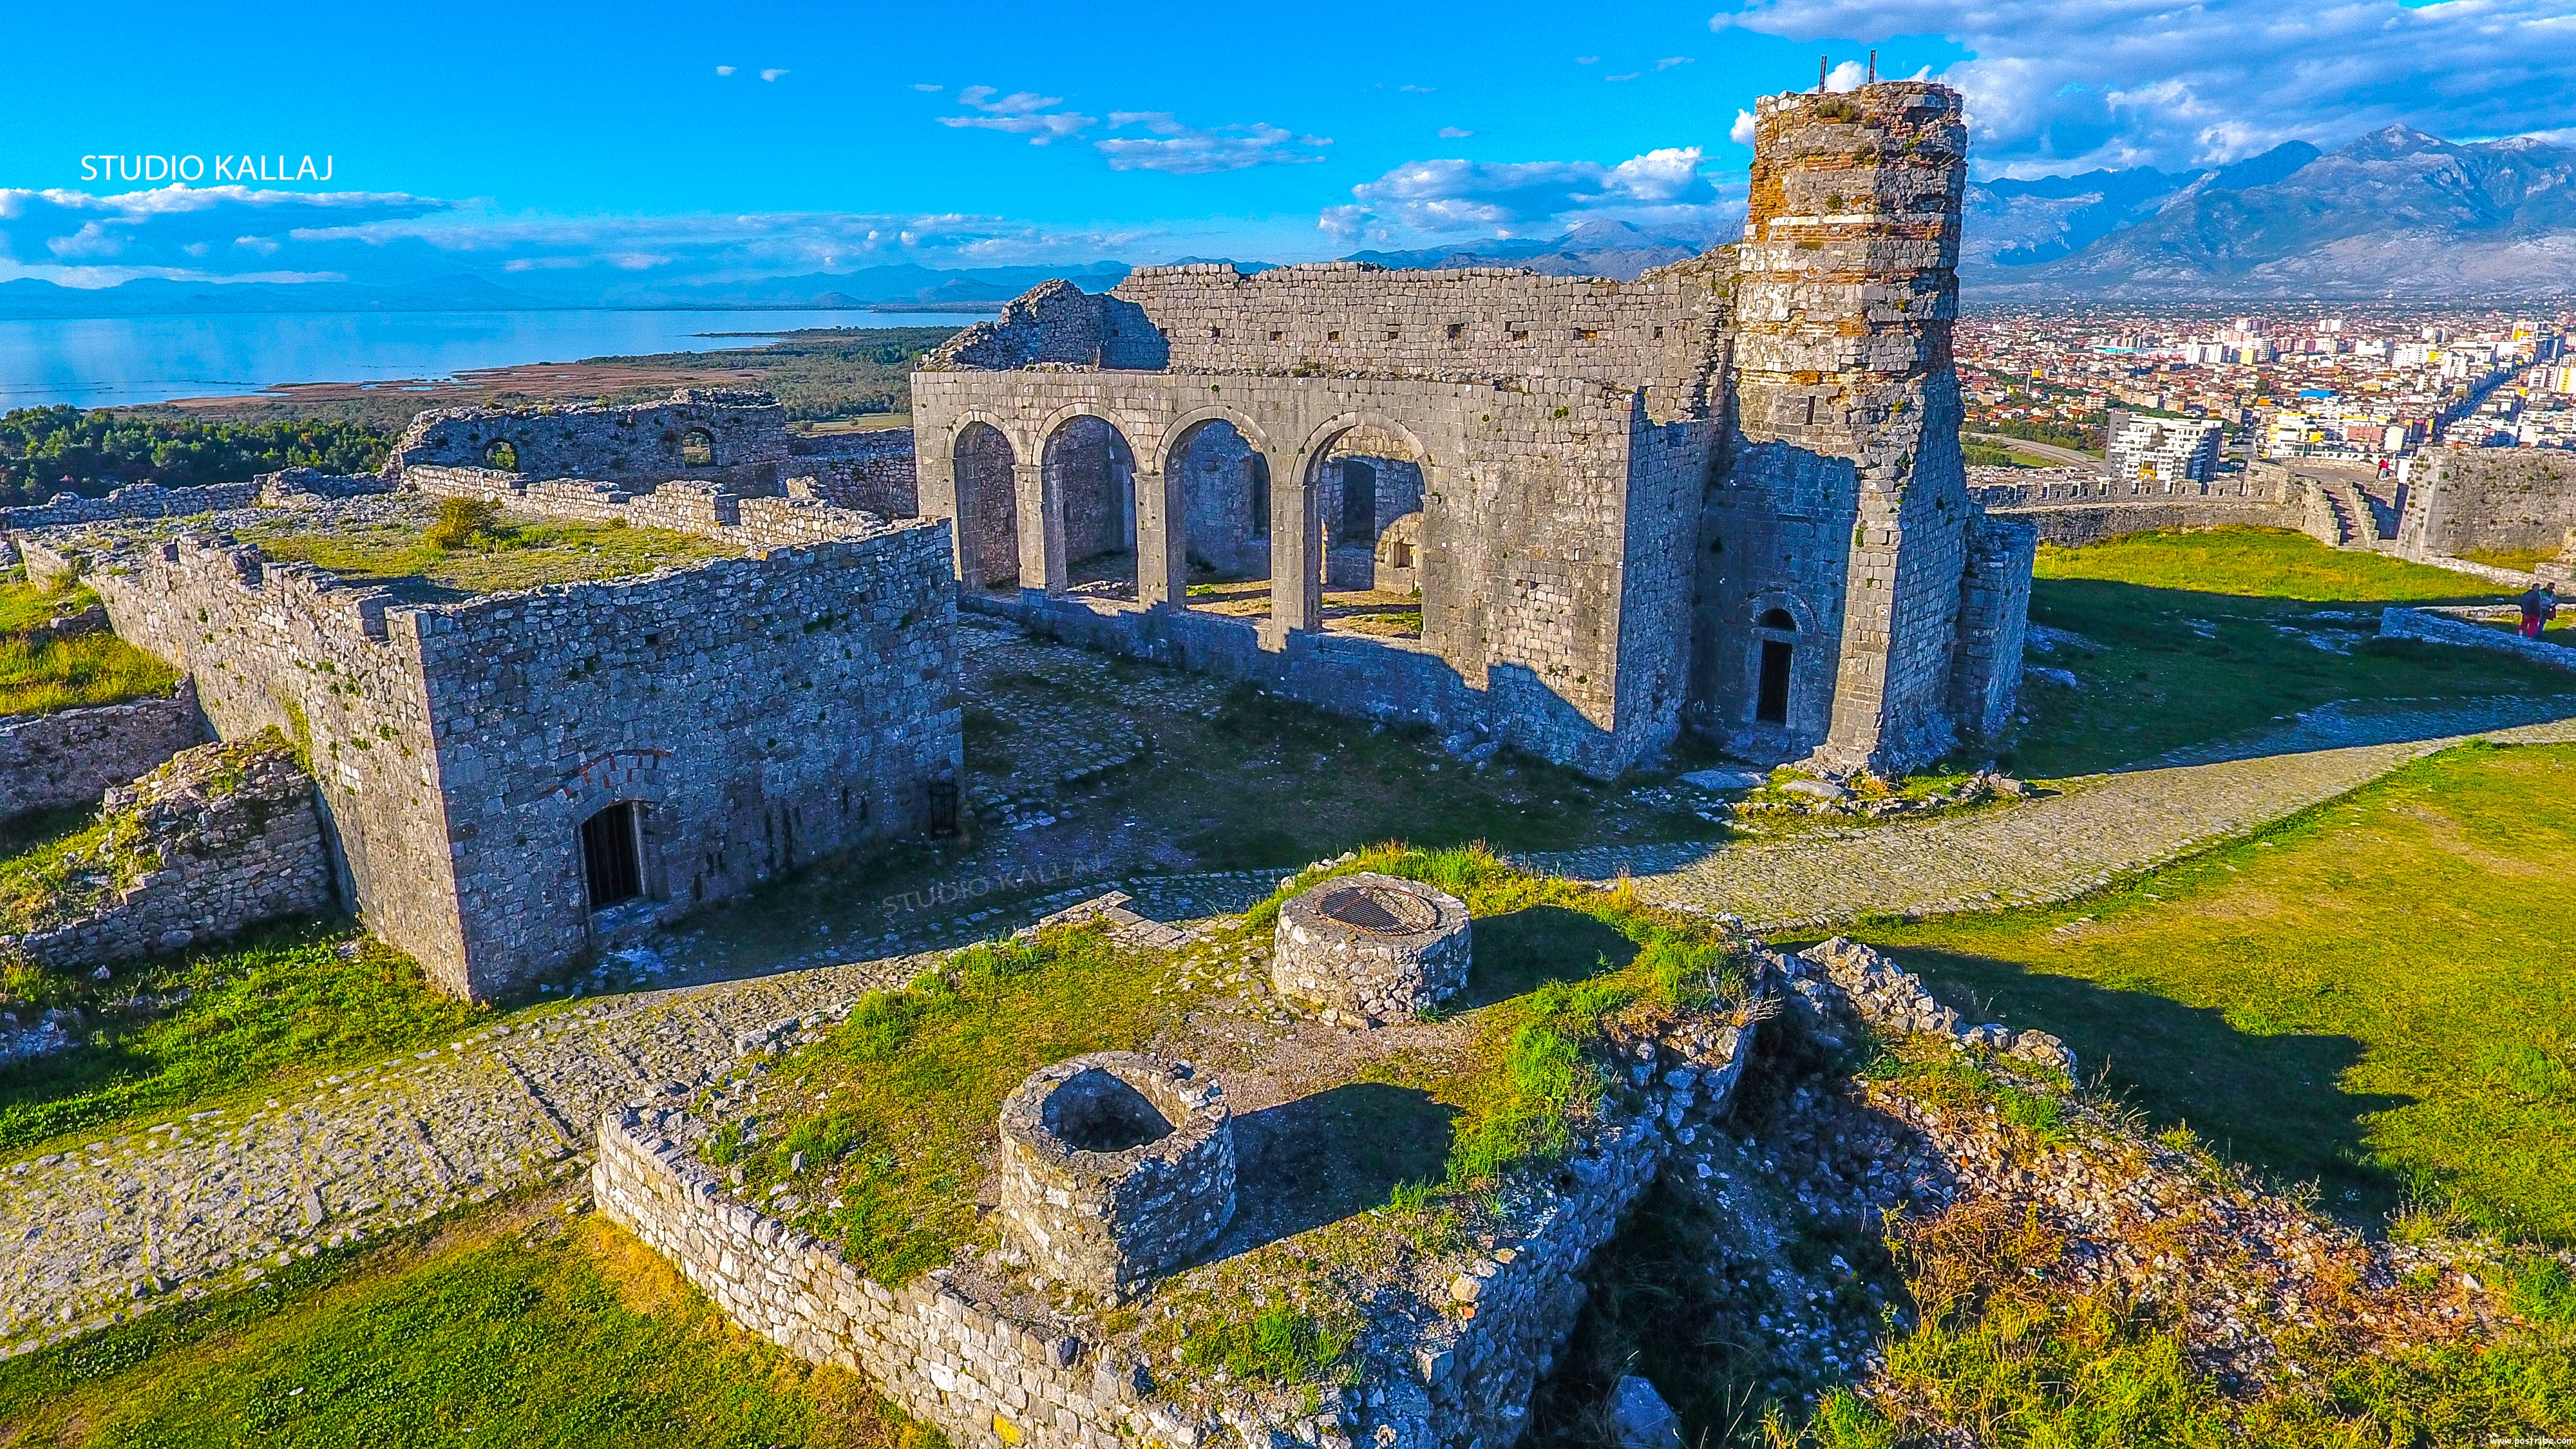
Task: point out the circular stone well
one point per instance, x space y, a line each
1116 1167
1371 948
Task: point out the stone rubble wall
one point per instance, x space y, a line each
683 505
870 472
1458 1376
2437 626
135 500
1994 613
2461 499
229 839
61 760
748 432
290 486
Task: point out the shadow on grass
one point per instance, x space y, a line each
1326 1156
2271 1102
1522 950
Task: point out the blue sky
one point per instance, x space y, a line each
559 142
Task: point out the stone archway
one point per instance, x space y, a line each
1219 482
1364 475
1089 471
988 507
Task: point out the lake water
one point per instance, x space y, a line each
108 361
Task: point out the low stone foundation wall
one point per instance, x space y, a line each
218 840
871 471
288 486
1452 1375
66 759
2071 525
2436 627
710 510
139 500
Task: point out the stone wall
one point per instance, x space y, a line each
220 839
2461 500
61 760
685 505
871 471
746 433
290 486
1994 612
762 711
1433 1377
136 500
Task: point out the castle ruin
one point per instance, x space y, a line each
1727 495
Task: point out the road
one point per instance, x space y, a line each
2067 457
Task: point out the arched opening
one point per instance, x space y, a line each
1091 477
1777 619
1776 657
612 855
988 508
1367 482
501 454
697 449
1225 518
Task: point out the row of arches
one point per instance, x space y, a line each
1220 528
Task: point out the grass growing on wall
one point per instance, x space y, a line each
24 606
296 999
514 1330
894 1110
2188 637
504 553
41 675
2373 997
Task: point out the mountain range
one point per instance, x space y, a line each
2394 213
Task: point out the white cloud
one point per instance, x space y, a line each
932 89
724 70
1668 62
1184 150
1741 133
1632 75
1507 198
1455 133
772 74
1017 103
1851 75
1021 113
1587 60
2057 88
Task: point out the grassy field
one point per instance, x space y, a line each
515 1328
294 1001
519 553
40 673
2188 637
2373 997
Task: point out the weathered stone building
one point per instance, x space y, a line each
505 779
1727 494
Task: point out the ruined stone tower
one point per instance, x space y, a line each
1727 495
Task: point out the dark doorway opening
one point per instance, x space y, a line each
1771 700
612 854
1259 523
1359 501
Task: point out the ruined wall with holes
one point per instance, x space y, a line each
1617 480
745 432
766 710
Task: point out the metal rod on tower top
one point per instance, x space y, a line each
1873 67
1821 62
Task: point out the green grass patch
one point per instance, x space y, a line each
494 554
504 1333
2520 560
1280 1344
2372 996
39 676
25 606
2200 636
2263 563
294 1000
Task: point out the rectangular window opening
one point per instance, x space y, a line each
612 854
1771 701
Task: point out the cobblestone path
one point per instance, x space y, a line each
2050 849
216 1199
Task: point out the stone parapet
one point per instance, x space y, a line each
136 500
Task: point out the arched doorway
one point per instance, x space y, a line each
1091 486
988 507
1224 487
697 449
502 455
1775 636
1367 489
612 855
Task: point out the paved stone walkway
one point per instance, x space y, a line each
2101 826
219 1198
216 1199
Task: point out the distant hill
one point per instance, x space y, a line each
2393 213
